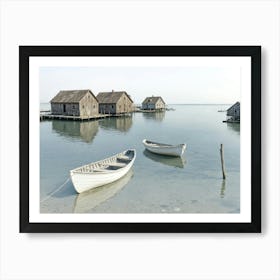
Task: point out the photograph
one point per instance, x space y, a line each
141 138
154 138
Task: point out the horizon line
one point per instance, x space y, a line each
45 102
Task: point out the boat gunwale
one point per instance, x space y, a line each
108 161
159 145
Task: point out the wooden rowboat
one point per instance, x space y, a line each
164 149
102 172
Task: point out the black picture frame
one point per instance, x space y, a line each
25 52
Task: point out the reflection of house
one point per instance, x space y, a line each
153 103
233 113
74 103
86 131
122 124
114 102
234 127
157 116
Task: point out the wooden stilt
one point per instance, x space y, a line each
222 161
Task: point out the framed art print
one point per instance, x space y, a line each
140 138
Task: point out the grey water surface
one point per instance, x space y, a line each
156 184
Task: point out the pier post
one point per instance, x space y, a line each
222 161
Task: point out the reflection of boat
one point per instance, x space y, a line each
102 172
122 123
92 198
86 130
164 149
171 161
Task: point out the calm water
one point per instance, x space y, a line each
156 184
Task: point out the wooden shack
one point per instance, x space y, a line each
74 103
114 102
233 113
153 103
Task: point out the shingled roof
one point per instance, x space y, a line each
111 97
235 104
71 96
152 99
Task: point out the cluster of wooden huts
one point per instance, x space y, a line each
84 103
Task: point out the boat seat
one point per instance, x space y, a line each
117 164
98 169
123 158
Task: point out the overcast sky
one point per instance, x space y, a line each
177 85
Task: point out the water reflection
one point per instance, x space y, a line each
157 116
223 188
122 123
234 127
89 200
171 161
86 130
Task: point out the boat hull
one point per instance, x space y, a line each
176 151
85 181
87 201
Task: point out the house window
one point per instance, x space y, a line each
93 106
83 107
112 106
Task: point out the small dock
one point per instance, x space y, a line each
44 116
152 110
231 121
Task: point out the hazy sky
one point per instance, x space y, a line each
177 85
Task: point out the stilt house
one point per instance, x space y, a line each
153 103
74 103
233 113
114 102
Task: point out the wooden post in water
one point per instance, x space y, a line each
222 161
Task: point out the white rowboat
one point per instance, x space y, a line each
164 149
102 172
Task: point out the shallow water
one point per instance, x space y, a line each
156 184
